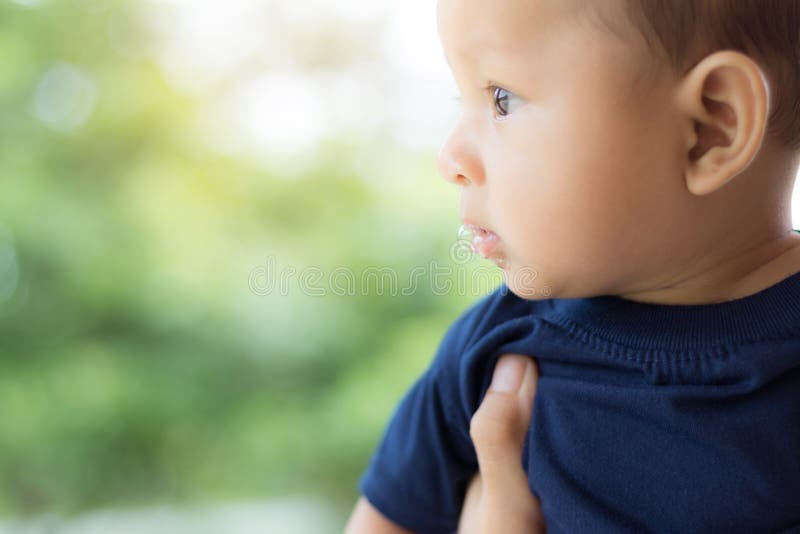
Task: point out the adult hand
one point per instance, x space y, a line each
498 498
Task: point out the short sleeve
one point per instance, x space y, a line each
418 475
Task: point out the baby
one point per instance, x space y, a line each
629 165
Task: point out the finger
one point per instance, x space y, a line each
499 426
472 512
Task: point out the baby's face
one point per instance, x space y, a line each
573 166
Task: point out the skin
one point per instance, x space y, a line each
610 175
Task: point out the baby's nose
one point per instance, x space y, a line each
458 162
449 170
453 171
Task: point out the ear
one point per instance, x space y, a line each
725 99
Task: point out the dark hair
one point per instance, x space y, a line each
685 31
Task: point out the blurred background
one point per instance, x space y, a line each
172 176
225 254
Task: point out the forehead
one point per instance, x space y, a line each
473 29
476 34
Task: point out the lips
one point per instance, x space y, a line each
482 241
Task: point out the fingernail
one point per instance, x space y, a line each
508 374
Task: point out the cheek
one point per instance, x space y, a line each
577 186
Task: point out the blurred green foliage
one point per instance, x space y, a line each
137 365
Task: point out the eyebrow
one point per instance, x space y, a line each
475 52
500 65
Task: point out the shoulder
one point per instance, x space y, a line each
496 324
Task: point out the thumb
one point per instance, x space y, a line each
499 426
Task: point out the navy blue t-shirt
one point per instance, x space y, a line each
647 417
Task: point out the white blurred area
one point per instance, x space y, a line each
280 516
279 76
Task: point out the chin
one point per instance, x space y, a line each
526 283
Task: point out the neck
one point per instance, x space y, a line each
743 239
741 275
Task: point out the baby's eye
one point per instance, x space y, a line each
500 98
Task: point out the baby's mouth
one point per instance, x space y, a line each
482 241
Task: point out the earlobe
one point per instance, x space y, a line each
725 100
